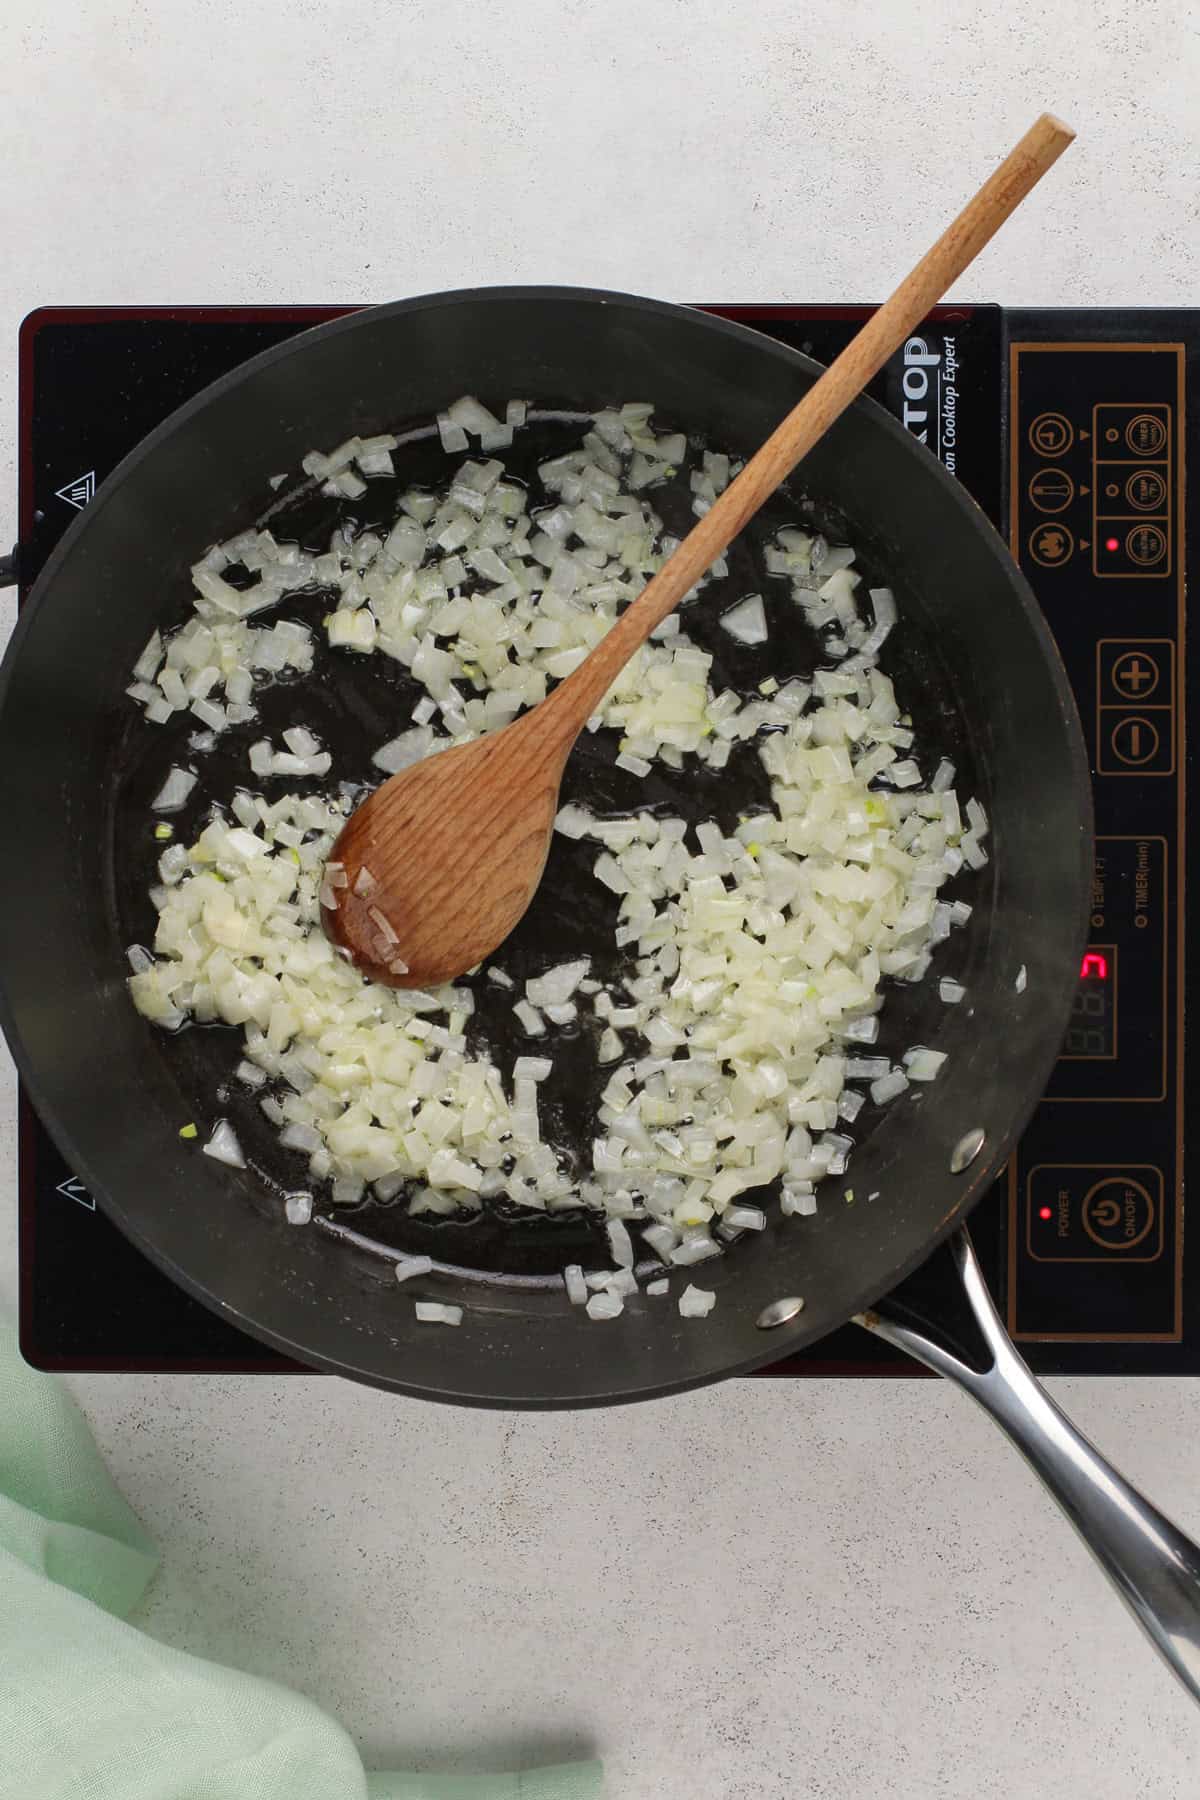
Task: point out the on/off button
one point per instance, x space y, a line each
1081 1212
1118 1213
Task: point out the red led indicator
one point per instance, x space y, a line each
1044 1212
1094 966
1112 543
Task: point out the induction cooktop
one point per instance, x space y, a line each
1071 431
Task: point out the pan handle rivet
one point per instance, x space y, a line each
779 1312
967 1149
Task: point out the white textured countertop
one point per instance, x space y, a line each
870 1595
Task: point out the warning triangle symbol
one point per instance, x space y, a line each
74 1189
77 493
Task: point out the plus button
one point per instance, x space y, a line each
1135 675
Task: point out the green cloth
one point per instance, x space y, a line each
92 1709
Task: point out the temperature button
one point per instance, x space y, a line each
1146 490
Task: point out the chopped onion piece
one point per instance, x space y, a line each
530 1019
744 1218
620 1244
407 1266
605 1305
888 1086
174 791
693 1250
223 1146
473 416
696 1303
557 985
453 437
747 621
662 1239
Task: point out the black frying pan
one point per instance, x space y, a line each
974 663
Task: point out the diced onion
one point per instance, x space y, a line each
747 622
174 791
408 1266
744 1218
755 955
605 1305
223 1146
888 1086
696 1303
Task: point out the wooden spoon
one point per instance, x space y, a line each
440 862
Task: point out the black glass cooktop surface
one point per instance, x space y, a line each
1071 430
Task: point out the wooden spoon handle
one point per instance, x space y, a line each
845 378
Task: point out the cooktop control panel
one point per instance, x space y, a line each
1096 484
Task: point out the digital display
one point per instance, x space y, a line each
1093 1029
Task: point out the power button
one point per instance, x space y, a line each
1087 1212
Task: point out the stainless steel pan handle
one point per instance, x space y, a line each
1152 1565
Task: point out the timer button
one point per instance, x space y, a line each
1146 434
